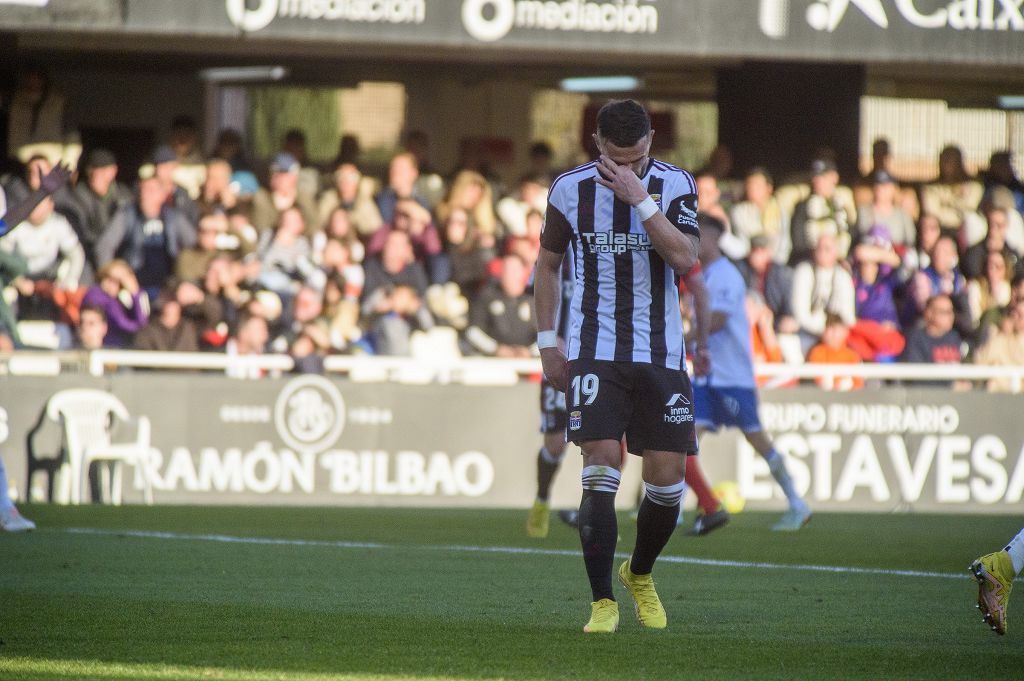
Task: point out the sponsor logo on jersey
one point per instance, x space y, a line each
616 242
575 420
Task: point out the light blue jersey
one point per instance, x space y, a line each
731 356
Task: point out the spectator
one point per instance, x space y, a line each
341 311
764 344
541 162
833 350
772 280
354 193
191 166
119 296
336 262
942 276
284 194
98 198
286 255
885 212
339 228
990 292
294 144
306 310
414 220
974 261
876 335
168 330
92 328
218 193
531 196
400 312
309 349
501 317
229 147
395 264
165 170
471 192
12 267
349 150
468 252
821 287
149 235
935 341
1001 174
222 297
761 215
250 339
1005 347
193 262
20 189
822 210
429 184
918 256
954 196
403 172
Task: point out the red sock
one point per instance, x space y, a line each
695 479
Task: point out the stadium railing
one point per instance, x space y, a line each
466 370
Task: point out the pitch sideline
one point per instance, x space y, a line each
508 550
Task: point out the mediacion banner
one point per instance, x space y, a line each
311 440
924 31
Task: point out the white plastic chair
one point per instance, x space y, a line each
87 417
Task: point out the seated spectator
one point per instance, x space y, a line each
501 317
354 193
1004 347
269 204
92 328
12 267
876 335
306 310
119 296
531 195
471 192
18 190
166 171
833 350
764 344
99 198
193 262
942 276
953 197
286 255
918 256
990 292
760 215
183 138
399 312
294 144
309 349
414 220
885 212
394 266
974 260
218 194
339 228
249 339
168 330
771 280
821 287
468 252
1001 174
148 235
341 312
823 210
229 146
403 173
935 341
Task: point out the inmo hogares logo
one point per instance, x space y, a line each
491 20
255 15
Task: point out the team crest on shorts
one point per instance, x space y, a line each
575 420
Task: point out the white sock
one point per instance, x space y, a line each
601 479
777 465
549 457
1016 550
5 500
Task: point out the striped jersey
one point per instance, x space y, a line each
625 303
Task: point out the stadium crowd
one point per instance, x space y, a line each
215 252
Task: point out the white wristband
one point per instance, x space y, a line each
646 208
547 339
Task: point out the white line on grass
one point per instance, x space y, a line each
507 550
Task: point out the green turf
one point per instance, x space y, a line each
115 606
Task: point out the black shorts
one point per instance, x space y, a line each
552 409
651 405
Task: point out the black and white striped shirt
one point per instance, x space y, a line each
625 304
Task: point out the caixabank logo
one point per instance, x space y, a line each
256 15
774 16
492 20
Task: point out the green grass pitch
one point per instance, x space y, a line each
413 594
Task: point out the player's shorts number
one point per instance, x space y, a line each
588 385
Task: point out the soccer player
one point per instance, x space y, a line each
631 221
995 573
552 426
727 396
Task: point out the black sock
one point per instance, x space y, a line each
599 531
545 475
654 525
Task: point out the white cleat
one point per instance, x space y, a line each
12 521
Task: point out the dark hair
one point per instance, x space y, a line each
623 122
706 222
763 172
92 307
183 121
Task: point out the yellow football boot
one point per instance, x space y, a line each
994 573
647 605
604 617
538 520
